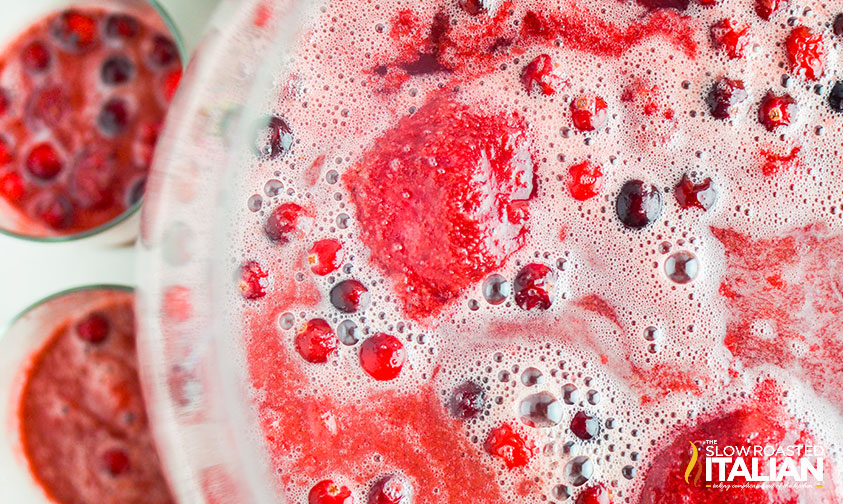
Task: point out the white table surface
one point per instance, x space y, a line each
31 271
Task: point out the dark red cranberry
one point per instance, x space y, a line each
44 162
768 8
36 57
638 204
472 7
273 137
467 401
282 223
316 342
328 492
252 280
586 180
534 287
113 119
588 113
55 210
688 194
835 98
730 36
75 31
679 5
776 111
382 356
584 426
117 70
725 97
837 26
163 51
170 84
350 296
121 27
538 76
12 186
509 445
93 328
116 462
597 494
392 489
5 101
806 52
325 257
92 178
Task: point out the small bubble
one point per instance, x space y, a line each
503 376
286 321
332 177
255 203
496 289
342 220
473 305
570 394
664 247
593 396
653 348
561 492
531 377
651 333
540 410
681 267
348 333
628 472
579 470
273 188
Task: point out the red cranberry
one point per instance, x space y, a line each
273 137
725 97
688 194
597 494
467 401
121 27
282 222
767 8
731 36
382 356
44 162
837 26
92 179
328 492
538 75
12 186
584 426
6 152
93 328
776 111
163 51
55 210
473 7
534 287
638 204
117 70
392 489
586 180
588 113
36 57
350 296
806 52
316 342
835 98
252 280
113 118
116 462
325 257
509 445
75 31
170 84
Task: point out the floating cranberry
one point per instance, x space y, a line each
586 180
776 111
282 223
467 401
350 296
74 31
730 36
117 70
92 178
116 462
767 8
163 51
316 342
382 356
36 57
392 489
725 97
170 84
93 328
597 494
325 257
472 7
538 76
638 204
55 210
252 280
689 194
273 137
113 118
534 287
509 445
837 25
835 98
121 27
328 492
12 186
44 162
588 113
806 52
584 426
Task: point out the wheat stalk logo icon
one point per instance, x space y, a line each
695 455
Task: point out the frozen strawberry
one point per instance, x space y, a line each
690 194
325 257
392 489
595 494
328 492
639 204
44 162
535 287
538 76
510 445
776 111
93 328
766 9
730 36
806 52
36 57
586 180
588 113
435 232
282 223
725 97
382 356
252 280
316 342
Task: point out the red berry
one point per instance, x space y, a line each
43 162
163 51
707 3
539 75
597 494
113 118
586 180
588 113
730 36
688 194
534 287
91 181
273 137
806 52
725 97
12 186
36 57
252 280
121 27
170 84
837 25
93 328
638 204
316 342
382 356
584 426
392 489
777 163
328 492
510 445
776 111
325 257
75 31
467 401
54 209
767 8
350 296
116 461
117 70
473 7
282 222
